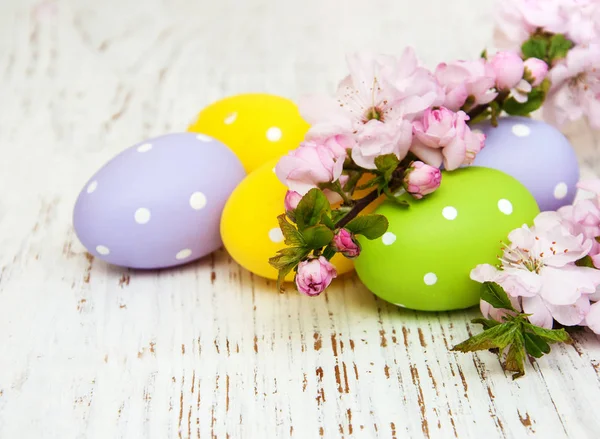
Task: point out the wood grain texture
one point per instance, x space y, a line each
208 350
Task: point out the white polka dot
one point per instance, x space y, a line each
183 254
274 134
103 250
142 215
274 170
521 130
430 279
505 206
449 213
388 238
92 187
561 190
145 147
197 200
204 138
276 235
230 118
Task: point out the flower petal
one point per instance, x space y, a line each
592 320
570 315
540 315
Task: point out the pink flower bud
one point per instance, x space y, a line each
421 179
345 243
538 70
314 276
509 69
291 201
436 128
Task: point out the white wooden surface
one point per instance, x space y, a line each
208 350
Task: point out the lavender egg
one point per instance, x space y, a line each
536 154
158 203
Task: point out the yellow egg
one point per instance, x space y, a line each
257 127
249 226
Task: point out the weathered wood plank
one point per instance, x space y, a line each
208 350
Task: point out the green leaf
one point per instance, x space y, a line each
317 237
535 47
396 199
287 256
328 221
487 323
535 99
559 47
515 358
549 335
286 260
371 183
495 295
283 272
370 226
353 177
291 235
586 261
498 336
338 214
311 208
484 54
387 164
329 252
535 346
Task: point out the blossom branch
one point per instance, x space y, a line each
359 206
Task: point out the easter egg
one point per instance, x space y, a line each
249 226
257 127
536 154
158 203
424 260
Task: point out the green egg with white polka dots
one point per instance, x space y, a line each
424 259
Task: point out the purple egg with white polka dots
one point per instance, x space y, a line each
536 154
158 203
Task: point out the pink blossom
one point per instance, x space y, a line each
575 88
374 106
376 138
314 276
308 166
421 179
583 25
444 137
464 79
537 70
508 68
592 320
592 186
291 201
539 268
583 218
344 242
516 20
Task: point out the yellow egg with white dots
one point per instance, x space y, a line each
257 127
249 226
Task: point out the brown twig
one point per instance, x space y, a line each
360 204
